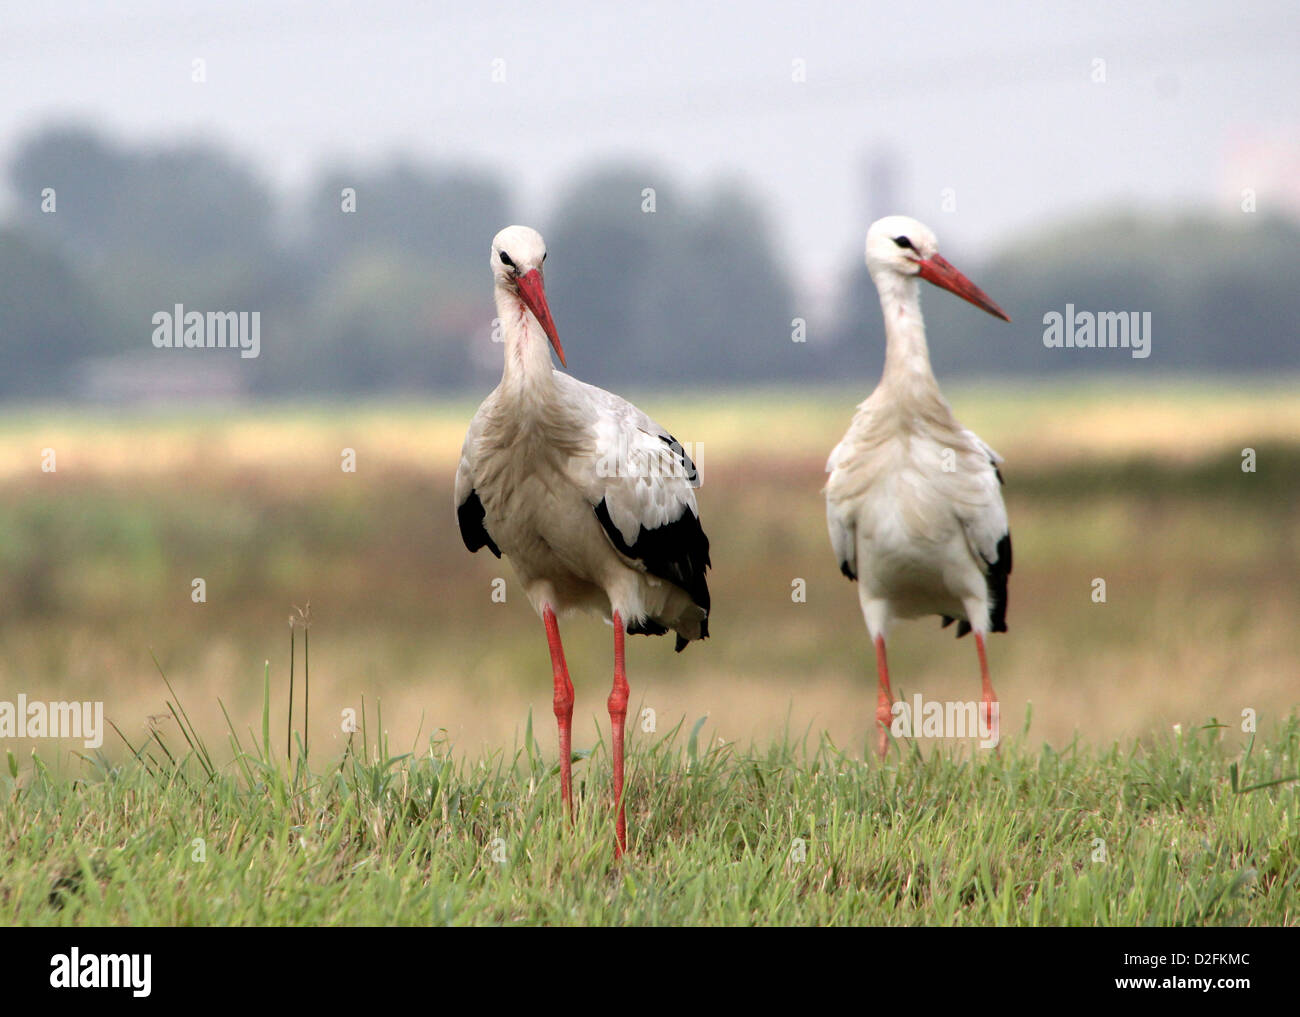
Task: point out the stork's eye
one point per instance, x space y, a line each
904 243
505 260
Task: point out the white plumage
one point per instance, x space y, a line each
573 491
915 511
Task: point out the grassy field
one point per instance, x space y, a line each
1186 830
1142 488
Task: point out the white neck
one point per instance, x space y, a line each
907 358
527 375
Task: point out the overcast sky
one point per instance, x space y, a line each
997 104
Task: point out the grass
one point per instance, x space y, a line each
1195 828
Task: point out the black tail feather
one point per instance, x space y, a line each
997 585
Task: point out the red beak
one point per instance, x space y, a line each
939 271
533 294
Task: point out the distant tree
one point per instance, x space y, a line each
689 293
382 323
399 255
49 320
443 215
148 227
191 203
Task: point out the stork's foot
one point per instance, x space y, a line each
884 722
990 714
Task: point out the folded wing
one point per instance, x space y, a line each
641 485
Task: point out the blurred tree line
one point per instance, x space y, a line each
394 296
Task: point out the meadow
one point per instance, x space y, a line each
752 798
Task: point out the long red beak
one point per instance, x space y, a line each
939 271
534 296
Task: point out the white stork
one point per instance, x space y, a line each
590 499
913 503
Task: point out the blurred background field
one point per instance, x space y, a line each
1140 486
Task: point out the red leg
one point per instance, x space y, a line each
617 715
563 708
991 708
885 701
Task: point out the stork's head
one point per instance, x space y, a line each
906 247
517 256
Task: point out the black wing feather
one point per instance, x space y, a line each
998 572
997 580
469 514
677 551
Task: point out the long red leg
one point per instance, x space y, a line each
885 701
617 715
563 708
991 708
